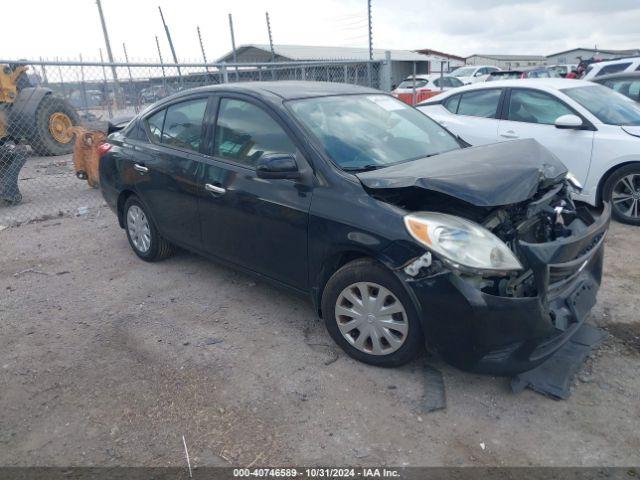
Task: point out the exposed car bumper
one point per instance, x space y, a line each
485 333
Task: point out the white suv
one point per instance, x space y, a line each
592 129
598 69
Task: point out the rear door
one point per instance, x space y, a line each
168 170
257 223
475 116
531 113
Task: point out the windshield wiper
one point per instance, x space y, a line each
364 168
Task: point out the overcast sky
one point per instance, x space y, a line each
49 29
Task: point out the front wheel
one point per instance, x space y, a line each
143 236
368 312
622 189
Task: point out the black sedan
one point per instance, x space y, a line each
398 232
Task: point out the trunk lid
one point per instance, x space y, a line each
485 176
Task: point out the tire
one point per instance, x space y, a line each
42 139
362 274
624 183
158 248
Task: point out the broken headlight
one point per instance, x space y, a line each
462 244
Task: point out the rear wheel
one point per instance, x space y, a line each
622 189
369 314
142 234
54 118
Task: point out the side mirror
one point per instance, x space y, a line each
277 166
569 122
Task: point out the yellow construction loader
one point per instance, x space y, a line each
34 114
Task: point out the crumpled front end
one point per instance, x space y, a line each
504 325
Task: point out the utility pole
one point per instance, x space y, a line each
370 30
161 62
109 53
204 55
131 85
273 54
173 50
233 45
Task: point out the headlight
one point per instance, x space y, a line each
575 183
461 243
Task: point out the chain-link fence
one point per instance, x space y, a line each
50 109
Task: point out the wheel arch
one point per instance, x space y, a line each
607 175
122 199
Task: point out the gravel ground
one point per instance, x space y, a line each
107 360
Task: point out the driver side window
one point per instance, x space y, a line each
535 107
244 132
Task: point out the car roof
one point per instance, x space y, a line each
615 76
540 83
285 89
427 76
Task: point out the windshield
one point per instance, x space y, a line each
362 132
608 106
463 72
409 83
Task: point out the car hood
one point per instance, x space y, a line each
632 130
485 176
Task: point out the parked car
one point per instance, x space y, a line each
426 86
628 84
473 73
80 99
561 70
155 93
349 196
598 69
592 129
535 72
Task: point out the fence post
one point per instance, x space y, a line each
225 74
385 72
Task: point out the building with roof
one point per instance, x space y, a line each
402 61
575 55
507 62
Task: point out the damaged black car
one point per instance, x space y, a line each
401 234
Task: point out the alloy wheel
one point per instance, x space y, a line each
626 196
138 228
371 318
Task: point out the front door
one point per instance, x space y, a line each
532 114
260 224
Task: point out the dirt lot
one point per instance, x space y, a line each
107 360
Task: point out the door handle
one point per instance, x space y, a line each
140 168
214 189
509 134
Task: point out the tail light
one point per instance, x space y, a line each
103 148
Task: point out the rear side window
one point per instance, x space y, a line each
245 131
618 67
454 82
536 107
480 103
183 124
155 122
451 103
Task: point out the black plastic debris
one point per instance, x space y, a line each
553 378
12 159
434 395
